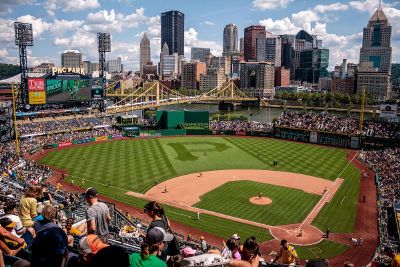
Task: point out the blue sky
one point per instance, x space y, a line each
72 24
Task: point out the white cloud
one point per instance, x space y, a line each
69 5
331 7
304 18
154 26
367 5
3 53
191 40
7 31
59 27
270 4
209 23
114 22
6 5
280 26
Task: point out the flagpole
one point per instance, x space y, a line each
15 118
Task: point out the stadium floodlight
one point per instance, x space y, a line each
104 42
23 34
23 38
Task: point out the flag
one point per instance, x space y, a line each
128 75
117 85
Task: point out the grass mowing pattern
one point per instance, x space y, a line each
294 204
294 157
323 250
134 165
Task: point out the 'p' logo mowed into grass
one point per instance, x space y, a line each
187 151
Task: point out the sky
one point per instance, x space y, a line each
59 25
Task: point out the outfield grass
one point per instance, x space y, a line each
294 204
135 165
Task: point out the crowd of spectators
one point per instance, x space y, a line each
386 163
240 126
318 122
34 143
60 124
338 124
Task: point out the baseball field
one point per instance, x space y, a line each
218 175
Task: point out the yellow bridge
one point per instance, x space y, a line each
154 94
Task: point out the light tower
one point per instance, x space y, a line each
23 38
104 45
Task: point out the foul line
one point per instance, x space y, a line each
328 193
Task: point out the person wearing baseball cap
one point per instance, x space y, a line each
288 253
151 247
97 215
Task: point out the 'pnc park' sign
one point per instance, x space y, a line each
55 70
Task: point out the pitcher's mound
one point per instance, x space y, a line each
260 200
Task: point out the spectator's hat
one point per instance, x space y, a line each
91 244
283 241
235 236
7 223
91 192
157 234
188 251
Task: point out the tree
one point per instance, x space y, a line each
8 70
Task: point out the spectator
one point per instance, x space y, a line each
152 247
10 210
97 215
49 248
288 254
49 215
27 207
251 251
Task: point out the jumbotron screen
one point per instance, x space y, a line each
68 90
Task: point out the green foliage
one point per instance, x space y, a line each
8 70
318 99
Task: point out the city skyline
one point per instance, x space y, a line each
59 25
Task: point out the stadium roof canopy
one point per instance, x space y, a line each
17 78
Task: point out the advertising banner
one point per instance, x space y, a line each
97 88
388 111
117 136
36 91
65 144
101 138
83 141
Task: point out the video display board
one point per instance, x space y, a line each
68 90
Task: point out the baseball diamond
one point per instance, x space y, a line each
131 171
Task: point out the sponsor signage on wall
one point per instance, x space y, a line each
36 91
388 111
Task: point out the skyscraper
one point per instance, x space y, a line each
71 59
314 63
114 65
257 79
251 34
230 42
288 43
199 53
172 31
145 55
269 49
375 57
